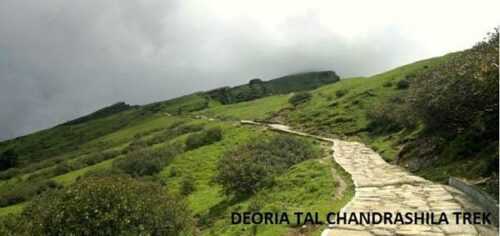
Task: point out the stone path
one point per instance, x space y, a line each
382 187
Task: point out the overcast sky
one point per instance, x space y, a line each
62 59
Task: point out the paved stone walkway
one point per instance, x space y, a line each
382 187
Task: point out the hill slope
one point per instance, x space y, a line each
180 143
436 117
109 141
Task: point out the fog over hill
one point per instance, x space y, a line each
60 59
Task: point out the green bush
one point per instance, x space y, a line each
62 168
66 166
173 131
9 224
24 191
105 172
252 166
98 157
403 84
107 206
187 185
7 174
240 174
341 92
203 138
146 161
135 145
8 159
390 116
461 93
300 98
387 84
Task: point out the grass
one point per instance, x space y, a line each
337 110
201 164
71 177
344 116
255 109
155 122
14 209
305 187
340 110
308 186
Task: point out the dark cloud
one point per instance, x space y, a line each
62 59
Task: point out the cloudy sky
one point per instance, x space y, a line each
61 59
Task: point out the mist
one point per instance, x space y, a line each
63 59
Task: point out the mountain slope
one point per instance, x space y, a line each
178 143
436 117
96 144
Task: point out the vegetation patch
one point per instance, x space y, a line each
253 166
110 205
202 138
299 98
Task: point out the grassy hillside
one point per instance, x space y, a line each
101 143
436 117
209 205
341 110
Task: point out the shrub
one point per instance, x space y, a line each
299 98
187 185
146 161
7 174
11 224
173 171
390 116
460 93
62 168
8 159
136 144
403 84
24 191
341 92
105 172
387 84
252 166
139 163
203 138
240 174
107 206
175 130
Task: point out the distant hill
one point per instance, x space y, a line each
257 88
101 113
70 135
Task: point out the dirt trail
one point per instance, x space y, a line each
382 187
